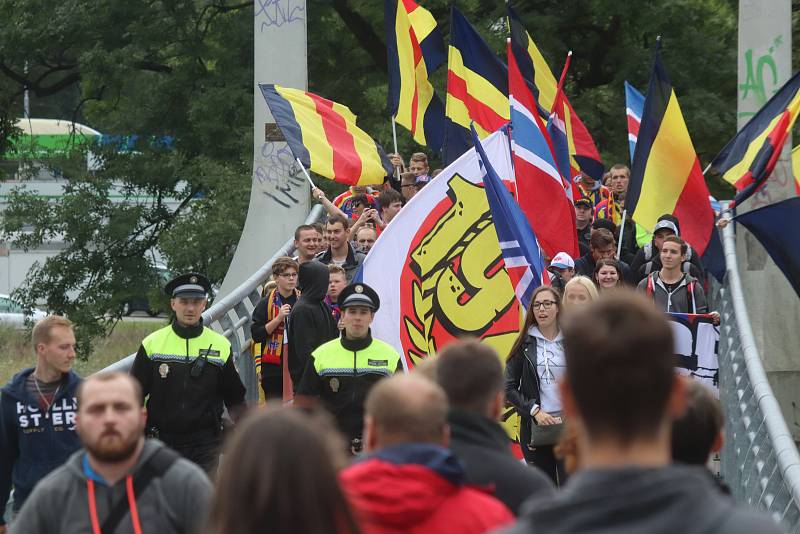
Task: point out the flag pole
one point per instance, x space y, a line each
564 71
394 139
621 229
561 79
303 168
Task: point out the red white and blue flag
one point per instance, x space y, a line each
540 186
518 244
634 104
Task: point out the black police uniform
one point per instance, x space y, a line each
187 374
342 371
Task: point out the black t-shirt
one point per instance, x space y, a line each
290 300
672 287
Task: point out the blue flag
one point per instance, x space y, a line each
775 226
634 105
518 244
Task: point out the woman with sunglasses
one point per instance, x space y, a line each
533 371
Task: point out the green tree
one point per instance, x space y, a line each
175 80
183 69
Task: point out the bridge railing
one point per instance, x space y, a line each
231 316
759 460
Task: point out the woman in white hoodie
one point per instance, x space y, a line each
533 370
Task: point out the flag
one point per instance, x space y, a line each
323 135
540 186
696 343
775 226
666 175
582 149
748 159
415 50
796 168
477 88
439 268
634 103
518 245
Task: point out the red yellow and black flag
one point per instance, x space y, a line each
666 175
415 50
323 135
477 88
749 158
584 155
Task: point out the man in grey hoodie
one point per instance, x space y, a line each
622 406
121 482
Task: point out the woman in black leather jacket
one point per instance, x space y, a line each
532 373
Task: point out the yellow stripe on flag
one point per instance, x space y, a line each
478 88
406 64
421 20
543 77
310 122
668 167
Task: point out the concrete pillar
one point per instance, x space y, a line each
279 196
765 63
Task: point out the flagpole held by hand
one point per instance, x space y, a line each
303 168
394 139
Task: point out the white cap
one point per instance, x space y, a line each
562 260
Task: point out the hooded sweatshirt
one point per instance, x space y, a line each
416 488
634 500
31 443
550 367
171 503
310 324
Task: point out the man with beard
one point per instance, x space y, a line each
120 482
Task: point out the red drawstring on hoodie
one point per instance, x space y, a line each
137 526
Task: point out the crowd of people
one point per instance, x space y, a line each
611 441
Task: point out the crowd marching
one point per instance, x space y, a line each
612 439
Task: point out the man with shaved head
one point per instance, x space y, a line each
409 481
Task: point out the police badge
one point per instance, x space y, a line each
163 370
334 383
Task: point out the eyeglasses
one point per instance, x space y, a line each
546 304
288 275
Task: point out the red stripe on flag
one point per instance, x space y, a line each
486 117
633 125
694 211
346 161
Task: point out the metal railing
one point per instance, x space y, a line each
760 461
231 316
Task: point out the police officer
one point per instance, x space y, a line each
342 371
187 371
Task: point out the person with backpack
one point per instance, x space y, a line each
670 288
647 259
120 481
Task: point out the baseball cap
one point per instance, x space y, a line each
583 201
669 225
562 260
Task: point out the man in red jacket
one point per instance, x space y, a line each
409 481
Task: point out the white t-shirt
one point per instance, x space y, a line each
550 366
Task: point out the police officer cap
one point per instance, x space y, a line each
189 285
358 294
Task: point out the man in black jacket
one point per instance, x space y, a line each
472 377
310 322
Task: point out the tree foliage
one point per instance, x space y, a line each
184 69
